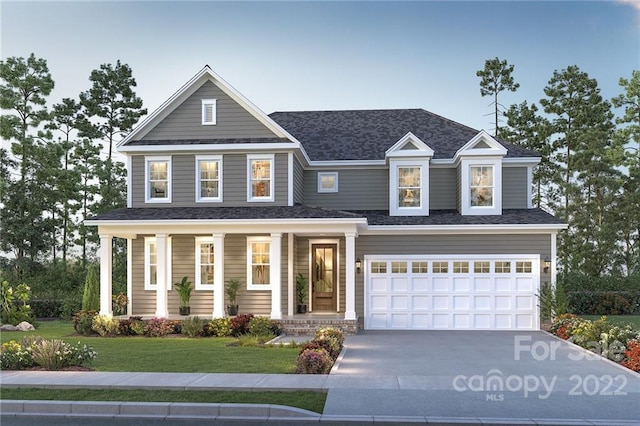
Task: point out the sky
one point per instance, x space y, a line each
289 56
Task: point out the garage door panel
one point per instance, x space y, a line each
460 293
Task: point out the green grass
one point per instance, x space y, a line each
172 354
308 400
634 320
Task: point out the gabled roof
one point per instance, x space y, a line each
368 134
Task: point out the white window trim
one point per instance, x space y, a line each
205 103
147 276
198 242
466 207
200 199
394 208
262 157
335 180
147 162
250 284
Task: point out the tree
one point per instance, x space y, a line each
25 85
91 296
496 77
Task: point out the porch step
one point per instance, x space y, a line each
307 326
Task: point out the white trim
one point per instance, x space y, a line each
350 276
423 150
106 278
250 285
310 272
129 276
272 161
290 178
157 159
129 182
198 247
291 289
164 276
465 198
227 147
462 229
394 208
520 161
529 187
219 159
218 277
320 175
495 148
205 104
554 259
275 270
147 278
471 257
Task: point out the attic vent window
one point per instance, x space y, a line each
208 112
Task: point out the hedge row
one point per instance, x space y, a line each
604 302
579 282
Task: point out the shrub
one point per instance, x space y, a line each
158 327
317 344
105 326
330 333
56 354
632 356
614 341
43 308
604 302
314 361
124 327
91 295
221 327
262 326
253 340
13 304
83 321
13 356
193 327
119 303
553 301
240 324
138 326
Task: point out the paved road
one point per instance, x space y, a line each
480 374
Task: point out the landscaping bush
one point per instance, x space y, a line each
124 328
632 356
56 354
105 326
138 326
14 356
194 327
579 282
604 302
83 322
91 295
253 340
317 344
331 337
314 361
158 327
262 326
221 327
13 304
240 324
47 308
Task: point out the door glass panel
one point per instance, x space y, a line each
324 270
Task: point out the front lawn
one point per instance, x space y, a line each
634 320
170 354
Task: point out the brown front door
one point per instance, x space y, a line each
324 277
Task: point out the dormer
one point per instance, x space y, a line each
480 172
409 176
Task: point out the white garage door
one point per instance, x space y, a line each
452 292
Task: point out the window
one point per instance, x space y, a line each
258 263
481 186
398 267
378 267
260 178
158 179
460 267
151 263
327 181
204 263
208 178
208 112
408 184
419 267
503 267
523 267
481 267
440 267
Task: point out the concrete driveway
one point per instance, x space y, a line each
490 375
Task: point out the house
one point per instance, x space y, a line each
401 219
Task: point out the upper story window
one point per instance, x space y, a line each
481 189
208 178
205 250
481 186
151 263
258 263
158 179
408 187
208 112
327 181
260 178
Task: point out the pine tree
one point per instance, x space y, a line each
496 77
91 295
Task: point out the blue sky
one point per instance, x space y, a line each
330 55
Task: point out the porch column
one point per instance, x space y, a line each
275 276
218 275
129 276
161 291
106 260
291 292
554 263
350 288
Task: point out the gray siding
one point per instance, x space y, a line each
143 301
514 188
185 122
361 189
298 181
234 184
447 245
442 188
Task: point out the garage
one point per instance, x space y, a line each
471 292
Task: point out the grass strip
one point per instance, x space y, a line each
634 320
308 400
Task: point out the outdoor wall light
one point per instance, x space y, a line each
358 265
547 264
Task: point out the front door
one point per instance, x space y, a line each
324 277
